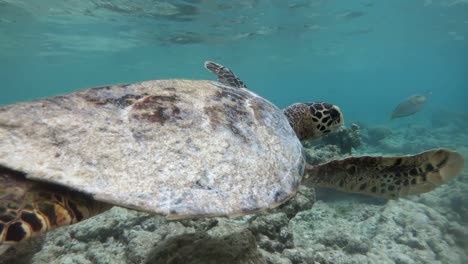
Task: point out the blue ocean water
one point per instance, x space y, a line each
365 56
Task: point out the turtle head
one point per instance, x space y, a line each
313 120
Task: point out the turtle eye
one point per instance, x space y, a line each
335 115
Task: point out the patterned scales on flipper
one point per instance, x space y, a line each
387 177
225 76
29 208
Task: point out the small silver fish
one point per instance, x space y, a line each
409 106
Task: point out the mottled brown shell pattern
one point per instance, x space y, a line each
182 148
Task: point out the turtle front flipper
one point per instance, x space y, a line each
225 75
29 208
387 177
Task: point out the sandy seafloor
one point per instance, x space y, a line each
338 228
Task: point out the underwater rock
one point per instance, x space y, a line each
272 232
107 237
444 118
345 138
401 231
126 236
354 127
272 228
22 253
452 202
322 153
377 134
298 255
361 124
304 200
202 248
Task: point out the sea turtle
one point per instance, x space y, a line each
180 148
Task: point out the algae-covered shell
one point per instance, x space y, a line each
182 148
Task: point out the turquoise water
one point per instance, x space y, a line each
365 56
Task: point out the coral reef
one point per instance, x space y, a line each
345 138
272 228
237 247
321 153
361 124
444 118
398 232
377 134
452 202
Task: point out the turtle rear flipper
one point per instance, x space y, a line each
29 208
388 177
